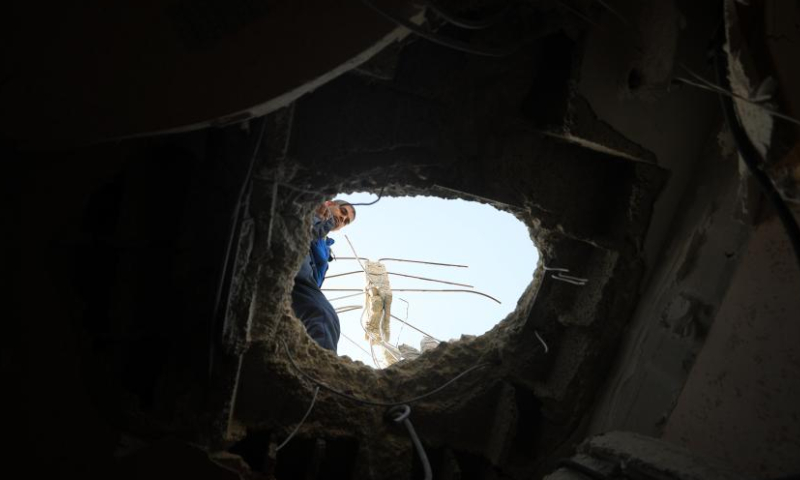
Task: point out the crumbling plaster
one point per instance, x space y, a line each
586 211
152 287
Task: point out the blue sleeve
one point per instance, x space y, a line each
320 228
320 249
320 256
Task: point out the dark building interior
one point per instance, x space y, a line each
163 160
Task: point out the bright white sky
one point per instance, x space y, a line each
495 245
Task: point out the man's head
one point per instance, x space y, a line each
342 212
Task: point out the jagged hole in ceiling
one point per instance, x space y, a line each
586 210
458 268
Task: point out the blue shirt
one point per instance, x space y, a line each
320 250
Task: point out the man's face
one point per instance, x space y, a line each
343 215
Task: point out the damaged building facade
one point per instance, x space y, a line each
159 196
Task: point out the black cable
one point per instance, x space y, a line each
464 23
373 402
380 194
438 39
751 156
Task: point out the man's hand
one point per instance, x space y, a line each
324 210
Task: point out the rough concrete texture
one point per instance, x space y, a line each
153 275
715 241
672 318
432 134
745 384
675 121
640 456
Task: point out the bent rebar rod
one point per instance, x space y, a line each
348 308
388 259
403 322
415 328
426 279
415 290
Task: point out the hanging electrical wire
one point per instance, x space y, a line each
302 420
366 204
439 39
400 414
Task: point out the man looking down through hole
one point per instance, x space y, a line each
308 301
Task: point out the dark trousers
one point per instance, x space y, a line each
314 310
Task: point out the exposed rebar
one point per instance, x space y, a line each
415 328
416 290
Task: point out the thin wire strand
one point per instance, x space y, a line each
421 261
703 83
328 277
272 209
426 279
356 344
348 308
568 280
375 403
402 323
570 277
423 290
467 24
346 296
302 420
415 328
554 269
387 259
366 204
716 89
577 13
546 349
438 39
356 255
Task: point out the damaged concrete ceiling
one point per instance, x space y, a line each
173 257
